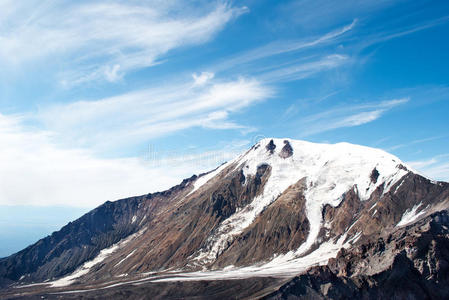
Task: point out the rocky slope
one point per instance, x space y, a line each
276 211
82 240
410 263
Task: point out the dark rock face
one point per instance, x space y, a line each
229 196
317 283
271 146
383 211
415 267
287 150
344 214
231 193
280 228
75 243
374 175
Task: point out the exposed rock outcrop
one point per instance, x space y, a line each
287 150
412 263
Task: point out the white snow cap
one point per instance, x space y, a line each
330 171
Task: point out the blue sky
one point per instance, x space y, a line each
100 101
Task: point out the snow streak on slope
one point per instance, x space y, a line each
85 268
411 215
206 177
330 171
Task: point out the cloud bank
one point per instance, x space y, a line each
94 40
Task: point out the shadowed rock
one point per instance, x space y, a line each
374 175
271 146
287 150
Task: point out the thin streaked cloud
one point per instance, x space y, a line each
414 142
282 47
436 167
104 41
348 116
153 112
304 70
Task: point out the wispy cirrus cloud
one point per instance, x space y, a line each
348 116
290 60
283 47
436 167
383 35
415 142
304 70
153 112
280 57
322 13
103 41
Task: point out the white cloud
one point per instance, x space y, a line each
35 171
348 116
359 119
98 40
419 141
202 78
385 35
322 13
304 70
436 167
141 115
112 73
283 47
419 164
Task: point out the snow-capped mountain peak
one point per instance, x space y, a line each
330 170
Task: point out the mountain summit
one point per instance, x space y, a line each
286 218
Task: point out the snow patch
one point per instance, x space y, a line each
143 219
202 180
399 186
129 255
411 215
85 268
350 227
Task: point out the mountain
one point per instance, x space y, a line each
285 219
